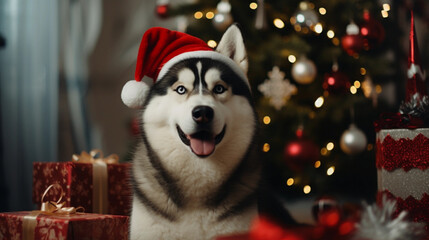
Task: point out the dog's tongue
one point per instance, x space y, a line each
202 147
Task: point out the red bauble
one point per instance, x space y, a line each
372 31
162 11
322 205
336 83
352 44
300 153
266 229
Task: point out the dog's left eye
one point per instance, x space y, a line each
181 90
219 89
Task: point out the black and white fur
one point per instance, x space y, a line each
181 192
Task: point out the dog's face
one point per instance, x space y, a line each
200 109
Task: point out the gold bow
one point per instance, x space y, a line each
57 207
49 208
90 157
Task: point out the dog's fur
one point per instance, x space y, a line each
197 193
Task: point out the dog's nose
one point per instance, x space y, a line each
202 114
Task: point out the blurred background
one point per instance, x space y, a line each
321 73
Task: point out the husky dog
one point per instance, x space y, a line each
195 171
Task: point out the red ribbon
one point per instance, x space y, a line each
397 120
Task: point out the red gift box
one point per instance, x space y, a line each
36 225
98 187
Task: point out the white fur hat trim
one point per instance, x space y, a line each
134 93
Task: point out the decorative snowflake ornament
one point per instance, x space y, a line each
277 88
378 223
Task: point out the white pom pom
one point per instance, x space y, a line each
134 93
377 223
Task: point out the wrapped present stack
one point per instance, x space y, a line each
88 197
100 185
402 150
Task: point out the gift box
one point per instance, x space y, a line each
37 225
402 150
402 161
99 186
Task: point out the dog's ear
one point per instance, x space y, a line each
232 46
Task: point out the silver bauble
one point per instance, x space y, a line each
353 140
222 21
304 71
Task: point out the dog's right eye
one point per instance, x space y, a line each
181 90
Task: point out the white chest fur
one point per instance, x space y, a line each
195 224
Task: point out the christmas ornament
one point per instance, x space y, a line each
378 223
416 98
264 228
305 16
154 60
304 71
352 42
223 18
277 88
322 205
336 82
300 152
353 140
372 31
332 227
162 8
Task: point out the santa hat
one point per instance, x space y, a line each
159 50
415 73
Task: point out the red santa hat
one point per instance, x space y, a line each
159 50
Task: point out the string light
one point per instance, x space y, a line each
279 23
369 147
290 181
336 41
210 15
212 43
330 146
198 15
353 89
318 28
291 58
317 164
322 11
300 18
306 189
253 5
357 84
319 102
384 14
386 7
378 89
362 71
330 171
323 151
266 147
266 120
330 34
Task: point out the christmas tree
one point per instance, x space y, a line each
317 69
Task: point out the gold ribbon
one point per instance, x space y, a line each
91 157
49 208
99 177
